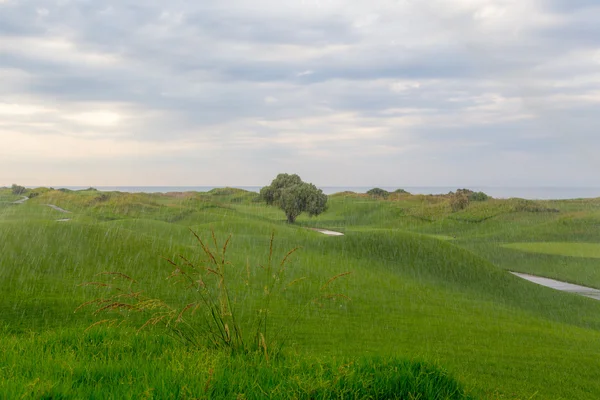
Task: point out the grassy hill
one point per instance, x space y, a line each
428 301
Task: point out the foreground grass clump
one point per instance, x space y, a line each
114 364
214 307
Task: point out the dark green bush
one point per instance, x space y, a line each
478 196
378 192
16 189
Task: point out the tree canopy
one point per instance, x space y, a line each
294 196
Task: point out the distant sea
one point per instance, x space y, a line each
533 193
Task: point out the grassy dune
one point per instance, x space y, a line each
432 309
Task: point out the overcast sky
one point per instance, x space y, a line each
344 93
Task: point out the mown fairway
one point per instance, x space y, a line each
585 250
428 287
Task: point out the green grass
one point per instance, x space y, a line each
116 365
586 250
415 295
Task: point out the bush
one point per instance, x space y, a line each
459 201
378 192
101 198
478 196
226 191
401 191
18 190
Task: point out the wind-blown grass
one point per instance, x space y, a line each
413 296
113 364
210 312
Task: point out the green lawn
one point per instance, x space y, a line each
428 304
585 250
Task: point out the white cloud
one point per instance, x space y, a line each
298 83
96 118
26 147
56 49
11 109
402 86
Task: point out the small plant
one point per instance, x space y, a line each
212 318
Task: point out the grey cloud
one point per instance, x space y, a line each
571 5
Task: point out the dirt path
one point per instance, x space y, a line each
58 208
23 200
562 286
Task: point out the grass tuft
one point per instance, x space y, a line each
213 319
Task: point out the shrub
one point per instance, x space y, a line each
18 190
378 192
226 191
101 198
478 196
459 201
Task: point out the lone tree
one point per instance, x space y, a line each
294 196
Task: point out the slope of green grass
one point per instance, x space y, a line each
413 296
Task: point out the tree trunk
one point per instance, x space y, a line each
291 218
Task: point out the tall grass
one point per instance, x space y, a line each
205 314
109 364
